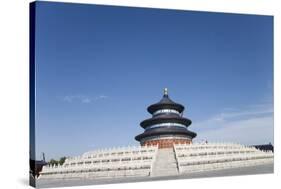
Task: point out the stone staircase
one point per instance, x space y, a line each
165 164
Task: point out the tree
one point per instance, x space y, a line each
56 162
53 162
62 160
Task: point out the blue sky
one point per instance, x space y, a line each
99 67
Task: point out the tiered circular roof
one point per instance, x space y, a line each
166 131
166 117
165 103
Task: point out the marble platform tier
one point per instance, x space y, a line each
152 161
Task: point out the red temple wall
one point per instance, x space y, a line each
166 143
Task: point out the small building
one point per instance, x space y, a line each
265 147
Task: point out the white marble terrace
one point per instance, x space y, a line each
133 161
139 161
213 156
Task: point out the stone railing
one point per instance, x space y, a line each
115 162
211 156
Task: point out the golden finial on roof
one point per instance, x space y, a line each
166 91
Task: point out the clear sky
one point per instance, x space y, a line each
99 67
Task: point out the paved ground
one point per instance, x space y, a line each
260 169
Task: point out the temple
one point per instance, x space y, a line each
167 125
166 149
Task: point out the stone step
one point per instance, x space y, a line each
166 168
165 163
